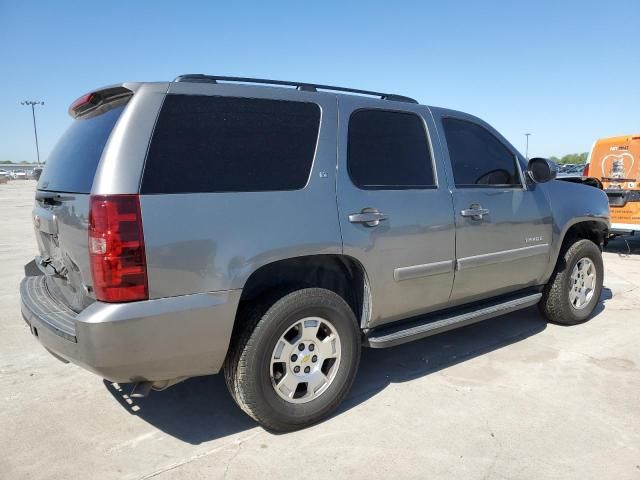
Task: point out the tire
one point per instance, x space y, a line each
253 379
557 303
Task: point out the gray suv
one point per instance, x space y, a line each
269 229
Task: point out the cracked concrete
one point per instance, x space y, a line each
512 397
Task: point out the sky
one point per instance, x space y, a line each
568 72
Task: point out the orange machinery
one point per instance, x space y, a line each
615 161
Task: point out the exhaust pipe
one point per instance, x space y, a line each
141 390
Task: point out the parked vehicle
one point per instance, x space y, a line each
19 175
220 224
569 170
36 172
616 162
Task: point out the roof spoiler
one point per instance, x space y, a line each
92 101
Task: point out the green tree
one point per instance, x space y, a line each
571 158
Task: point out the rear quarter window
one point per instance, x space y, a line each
229 144
74 160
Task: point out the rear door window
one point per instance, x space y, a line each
388 150
231 144
74 160
478 158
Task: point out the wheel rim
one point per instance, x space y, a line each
305 360
583 283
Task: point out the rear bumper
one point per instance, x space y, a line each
624 228
150 340
619 198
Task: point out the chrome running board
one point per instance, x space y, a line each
432 324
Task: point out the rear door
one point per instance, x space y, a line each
237 177
503 224
61 211
395 209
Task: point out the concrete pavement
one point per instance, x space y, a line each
512 397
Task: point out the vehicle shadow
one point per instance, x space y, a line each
624 245
197 410
605 295
200 409
381 367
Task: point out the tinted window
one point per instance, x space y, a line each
477 157
388 150
228 144
72 163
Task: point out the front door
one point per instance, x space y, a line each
503 223
395 208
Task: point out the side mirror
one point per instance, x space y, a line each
542 170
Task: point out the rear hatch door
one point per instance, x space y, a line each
61 211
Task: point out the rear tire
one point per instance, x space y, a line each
575 286
318 329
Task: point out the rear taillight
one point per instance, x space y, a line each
116 248
585 170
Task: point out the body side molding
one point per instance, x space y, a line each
502 256
425 270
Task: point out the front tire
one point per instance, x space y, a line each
575 286
295 359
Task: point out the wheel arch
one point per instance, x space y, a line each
591 228
338 273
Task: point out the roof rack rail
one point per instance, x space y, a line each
307 87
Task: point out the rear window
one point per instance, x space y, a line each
72 164
228 144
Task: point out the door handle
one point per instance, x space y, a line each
475 211
369 217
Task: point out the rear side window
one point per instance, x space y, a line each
74 160
388 150
478 158
229 144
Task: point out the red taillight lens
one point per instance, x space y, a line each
116 248
585 170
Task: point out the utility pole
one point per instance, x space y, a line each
527 150
33 104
